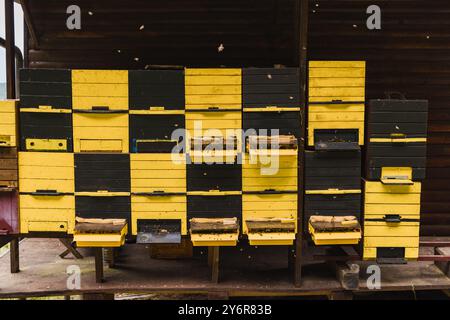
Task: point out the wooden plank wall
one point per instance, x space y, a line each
410 54
175 32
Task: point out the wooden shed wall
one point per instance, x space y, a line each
178 32
410 54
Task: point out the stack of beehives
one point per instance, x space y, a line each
333 164
395 162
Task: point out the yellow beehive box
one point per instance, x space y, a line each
46 186
270 219
336 97
100 88
8 126
158 172
271 173
392 220
158 207
213 89
100 132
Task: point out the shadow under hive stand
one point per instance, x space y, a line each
395 165
333 170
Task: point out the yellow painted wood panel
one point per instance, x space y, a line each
162 165
256 172
99 76
212 80
212 72
347 116
378 187
178 173
337 72
337 64
154 201
7 118
100 90
214 127
336 82
46 159
407 242
158 183
214 100
7 129
112 128
250 188
382 229
335 108
47 226
269 181
47 220
219 116
86 103
90 145
47 202
389 208
213 90
46 214
338 92
40 172
8 105
32 185
329 99
100 120
8 135
410 253
393 198
159 207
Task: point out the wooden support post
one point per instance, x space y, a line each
14 255
70 249
291 258
110 257
210 256
298 260
444 266
99 265
10 53
213 262
300 59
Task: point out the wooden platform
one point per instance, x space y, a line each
255 271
